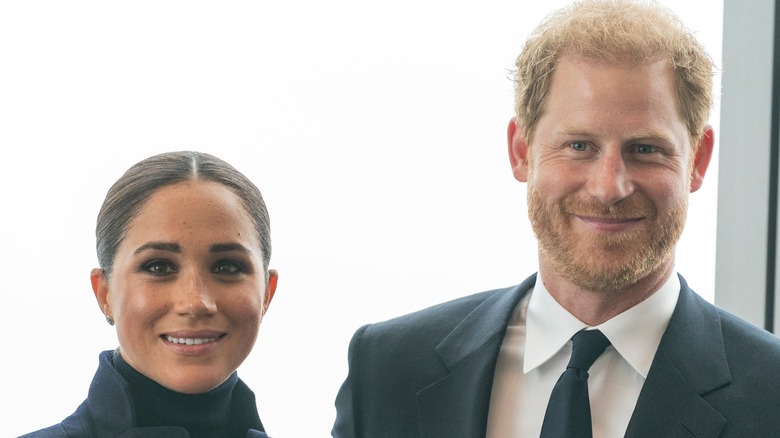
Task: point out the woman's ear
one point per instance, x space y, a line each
518 150
270 288
100 289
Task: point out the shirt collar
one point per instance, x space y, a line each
635 333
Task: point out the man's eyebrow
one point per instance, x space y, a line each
224 247
161 246
575 131
650 135
641 135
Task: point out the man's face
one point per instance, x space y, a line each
609 172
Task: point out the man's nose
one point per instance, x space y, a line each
609 180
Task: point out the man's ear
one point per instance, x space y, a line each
270 289
701 159
100 289
518 150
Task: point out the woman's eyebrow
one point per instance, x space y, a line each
224 247
161 246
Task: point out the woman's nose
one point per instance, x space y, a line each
194 298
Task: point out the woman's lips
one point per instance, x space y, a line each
193 342
189 341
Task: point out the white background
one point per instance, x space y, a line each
376 131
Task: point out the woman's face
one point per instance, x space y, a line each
187 289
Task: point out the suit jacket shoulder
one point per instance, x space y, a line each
404 332
427 373
751 401
714 375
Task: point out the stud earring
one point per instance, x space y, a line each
109 320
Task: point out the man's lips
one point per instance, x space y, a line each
610 220
601 223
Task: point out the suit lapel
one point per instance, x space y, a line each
457 404
690 362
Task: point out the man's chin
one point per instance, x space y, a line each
600 269
607 282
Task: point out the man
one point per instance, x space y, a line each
611 134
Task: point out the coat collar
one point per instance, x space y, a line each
670 403
109 408
457 404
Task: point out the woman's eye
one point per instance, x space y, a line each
578 145
228 268
158 267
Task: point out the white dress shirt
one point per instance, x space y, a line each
536 350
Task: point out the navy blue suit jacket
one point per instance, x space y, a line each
430 373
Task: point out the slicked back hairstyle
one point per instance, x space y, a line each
614 31
129 193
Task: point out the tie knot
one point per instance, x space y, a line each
587 347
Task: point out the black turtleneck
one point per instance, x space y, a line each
216 413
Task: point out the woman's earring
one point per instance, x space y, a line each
109 320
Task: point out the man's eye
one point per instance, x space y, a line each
158 267
578 145
645 149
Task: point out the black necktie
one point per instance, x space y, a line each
568 411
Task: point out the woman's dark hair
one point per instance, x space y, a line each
125 198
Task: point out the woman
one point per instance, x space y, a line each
183 242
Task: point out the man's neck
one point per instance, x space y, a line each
595 307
